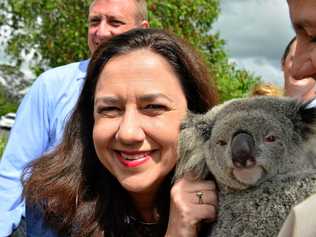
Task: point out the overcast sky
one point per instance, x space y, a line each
256 33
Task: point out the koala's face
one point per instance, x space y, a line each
244 142
247 147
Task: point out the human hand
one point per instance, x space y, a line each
304 64
187 209
303 89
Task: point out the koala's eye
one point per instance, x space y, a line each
270 138
221 142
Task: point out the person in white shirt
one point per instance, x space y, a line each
301 220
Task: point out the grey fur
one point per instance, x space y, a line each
254 200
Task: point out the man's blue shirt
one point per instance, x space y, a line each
38 128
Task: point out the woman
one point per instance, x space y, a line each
111 174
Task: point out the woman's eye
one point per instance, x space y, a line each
155 108
109 111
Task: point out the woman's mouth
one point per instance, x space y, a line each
133 159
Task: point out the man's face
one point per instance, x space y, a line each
303 89
111 17
303 16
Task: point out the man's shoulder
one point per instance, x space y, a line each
66 67
60 79
69 71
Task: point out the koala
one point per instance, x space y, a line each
258 150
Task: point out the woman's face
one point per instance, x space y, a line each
138 107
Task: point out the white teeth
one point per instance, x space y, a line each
133 157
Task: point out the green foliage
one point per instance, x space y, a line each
15 82
3 142
54 29
7 104
193 20
56 32
232 82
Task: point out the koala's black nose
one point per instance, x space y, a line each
242 148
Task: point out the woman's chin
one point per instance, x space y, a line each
137 185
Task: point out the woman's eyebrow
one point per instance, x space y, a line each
153 96
107 100
144 98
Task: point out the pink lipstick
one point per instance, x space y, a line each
133 159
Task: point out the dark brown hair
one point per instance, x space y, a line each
78 196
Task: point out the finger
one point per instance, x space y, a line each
190 176
205 212
205 198
305 84
204 186
303 66
194 186
306 70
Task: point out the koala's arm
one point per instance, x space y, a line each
190 149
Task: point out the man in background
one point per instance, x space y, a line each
301 220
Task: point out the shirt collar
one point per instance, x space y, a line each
83 66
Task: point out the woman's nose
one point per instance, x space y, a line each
130 129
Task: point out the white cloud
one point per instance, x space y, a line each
256 33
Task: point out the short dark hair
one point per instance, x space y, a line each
78 194
287 50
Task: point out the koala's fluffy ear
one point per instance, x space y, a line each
306 123
197 123
194 131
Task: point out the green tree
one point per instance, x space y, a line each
13 82
55 30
